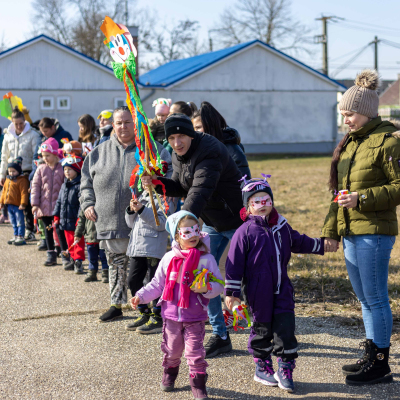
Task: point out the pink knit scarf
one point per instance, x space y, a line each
190 261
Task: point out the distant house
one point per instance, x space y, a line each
56 81
389 101
277 103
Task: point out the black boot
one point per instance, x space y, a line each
376 370
51 259
353 368
104 276
91 276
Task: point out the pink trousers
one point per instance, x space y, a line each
188 336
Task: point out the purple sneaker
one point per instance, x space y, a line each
168 379
265 372
284 375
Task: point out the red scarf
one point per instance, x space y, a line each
190 262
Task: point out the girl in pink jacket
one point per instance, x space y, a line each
46 185
183 309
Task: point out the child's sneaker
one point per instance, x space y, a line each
139 321
11 241
284 375
112 314
154 325
29 236
42 245
19 241
169 378
78 267
228 316
265 372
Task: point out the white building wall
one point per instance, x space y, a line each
82 102
43 65
275 105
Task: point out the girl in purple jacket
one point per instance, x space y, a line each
259 254
183 309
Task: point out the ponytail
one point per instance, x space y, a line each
333 177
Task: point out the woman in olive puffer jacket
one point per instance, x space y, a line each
367 164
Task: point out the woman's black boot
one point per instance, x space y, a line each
353 368
376 370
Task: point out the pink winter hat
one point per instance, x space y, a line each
50 146
162 105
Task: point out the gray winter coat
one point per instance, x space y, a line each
147 239
106 173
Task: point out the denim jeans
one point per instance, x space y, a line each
94 252
219 241
367 260
17 220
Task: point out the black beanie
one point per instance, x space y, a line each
254 190
16 164
178 123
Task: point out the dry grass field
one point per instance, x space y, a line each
322 286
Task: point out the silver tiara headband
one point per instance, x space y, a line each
250 184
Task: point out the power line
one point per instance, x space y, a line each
350 61
390 43
365 29
376 26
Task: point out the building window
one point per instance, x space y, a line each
63 103
119 102
47 103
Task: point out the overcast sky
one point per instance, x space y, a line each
364 20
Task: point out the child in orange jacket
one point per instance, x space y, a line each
16 195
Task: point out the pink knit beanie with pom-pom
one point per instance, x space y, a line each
50 146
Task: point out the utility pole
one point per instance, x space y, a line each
126 12
375 43
324 40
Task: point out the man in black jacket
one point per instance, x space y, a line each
208 178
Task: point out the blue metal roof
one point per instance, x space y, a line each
59 44
177 70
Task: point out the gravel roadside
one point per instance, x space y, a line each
52 346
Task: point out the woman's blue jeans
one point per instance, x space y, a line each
367 260
219 241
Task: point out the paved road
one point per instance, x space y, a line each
52 346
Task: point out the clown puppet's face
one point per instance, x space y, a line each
260 204
189 234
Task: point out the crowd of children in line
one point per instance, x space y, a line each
259 255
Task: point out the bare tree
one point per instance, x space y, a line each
267 20
51 17
174 43
82 31
3 43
